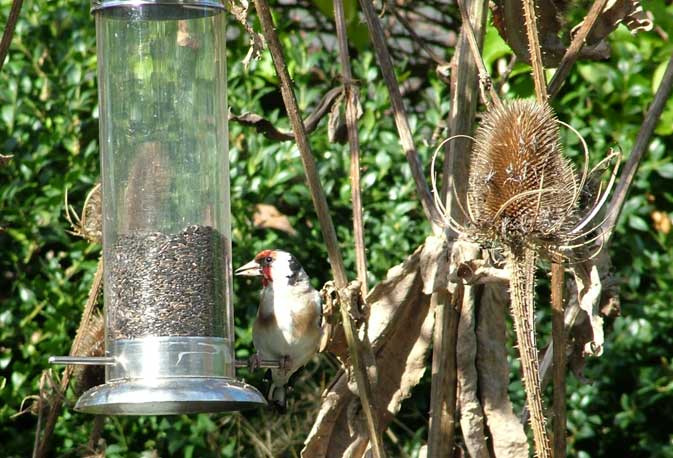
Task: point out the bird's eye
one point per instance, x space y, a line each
268 259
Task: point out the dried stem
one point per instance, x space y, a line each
351 96
96 432
326 223
475 47
8 34
464 90
317 193
557 272
534 50
40 412
559 340
401 121
526 340
54 411
573 51
522 287
639 148
266 127
417 39
443 389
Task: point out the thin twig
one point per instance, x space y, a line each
317 193
55 407
326 224
535 51
40 412
401 121
639 148
8 34
559 339
475 48
573 51
354 144
557 271
417 39
362 364
504 76
266 127
96 432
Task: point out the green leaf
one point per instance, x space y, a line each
665 170
637 223
494 47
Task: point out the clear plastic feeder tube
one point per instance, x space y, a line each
166 210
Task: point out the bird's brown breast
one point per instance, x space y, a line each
266 320
304 320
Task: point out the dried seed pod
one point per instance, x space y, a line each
523 194
521 190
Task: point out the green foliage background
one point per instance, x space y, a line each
48 121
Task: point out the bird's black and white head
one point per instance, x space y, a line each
276 268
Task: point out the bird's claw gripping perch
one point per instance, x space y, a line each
284 365
254 362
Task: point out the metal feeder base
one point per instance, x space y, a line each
169 396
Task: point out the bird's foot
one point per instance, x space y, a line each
284 364
254 362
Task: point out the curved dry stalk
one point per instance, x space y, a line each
450 221
585 150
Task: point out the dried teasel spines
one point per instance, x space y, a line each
521 189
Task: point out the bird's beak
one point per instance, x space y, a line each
251 269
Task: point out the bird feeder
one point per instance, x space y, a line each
169 330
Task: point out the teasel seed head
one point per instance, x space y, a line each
522 191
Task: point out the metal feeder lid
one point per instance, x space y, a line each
156 9
169 396
100 4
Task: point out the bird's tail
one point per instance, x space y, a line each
276 397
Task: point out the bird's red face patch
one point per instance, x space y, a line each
265 260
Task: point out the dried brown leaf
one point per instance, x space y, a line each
471 412
506 430
589 289
239 9
627 12
509 21
400 328
269 217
